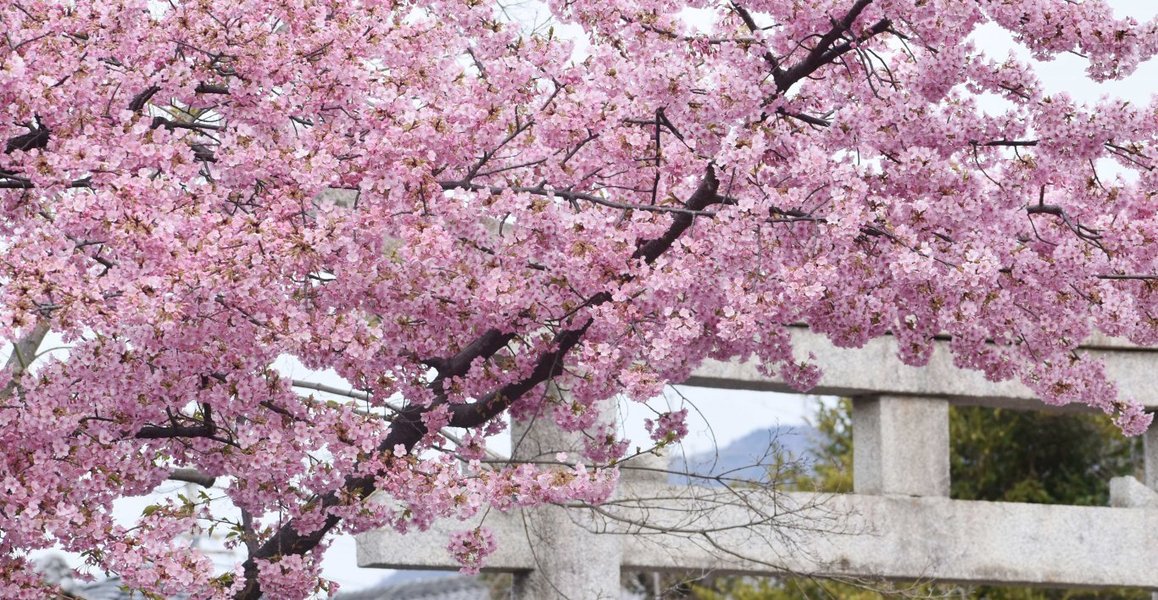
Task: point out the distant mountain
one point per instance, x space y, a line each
748 458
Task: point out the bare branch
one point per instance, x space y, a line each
543 190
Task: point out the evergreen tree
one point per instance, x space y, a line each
996 455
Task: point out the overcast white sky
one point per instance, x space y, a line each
732 414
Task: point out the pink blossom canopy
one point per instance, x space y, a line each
451 209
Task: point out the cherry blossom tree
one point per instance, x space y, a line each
452 210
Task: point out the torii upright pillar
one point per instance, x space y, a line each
571 560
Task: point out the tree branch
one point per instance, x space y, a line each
750 23
484 346
15 182
408 427
704 196
193 476
140 100
170 125
23 353
37 137
824 52
549 365
572 197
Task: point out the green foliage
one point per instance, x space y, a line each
1020 456
832 457
998 455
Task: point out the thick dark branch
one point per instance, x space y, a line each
840 27
140 100
408 429
19 183
205 428
484 346
202 153
35 138
549 365
811 120
193 476
170 125
205 88
824 52
704 196
837 51
157 432
661 118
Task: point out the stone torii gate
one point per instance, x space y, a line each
898 524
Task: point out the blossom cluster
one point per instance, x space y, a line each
452 210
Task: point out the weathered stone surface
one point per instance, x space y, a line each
901 451
426 550
900 446
1127 492
903 538
875 369
569 559
848 535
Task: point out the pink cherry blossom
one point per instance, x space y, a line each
451 210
